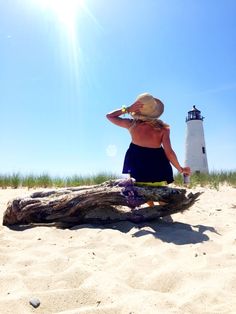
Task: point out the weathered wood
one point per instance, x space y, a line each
111 201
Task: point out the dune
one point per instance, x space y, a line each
188 266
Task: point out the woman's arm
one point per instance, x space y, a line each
114 116
170 154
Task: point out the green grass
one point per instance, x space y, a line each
213 180
16 180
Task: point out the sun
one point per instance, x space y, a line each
65 11
65 16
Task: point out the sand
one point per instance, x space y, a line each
188 266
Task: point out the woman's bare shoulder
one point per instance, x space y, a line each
166 130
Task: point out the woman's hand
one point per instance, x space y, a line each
135 107
186 170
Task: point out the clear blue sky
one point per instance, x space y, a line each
65 63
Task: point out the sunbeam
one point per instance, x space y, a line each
67 15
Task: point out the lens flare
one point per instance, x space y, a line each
111 150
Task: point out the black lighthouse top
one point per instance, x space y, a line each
194 114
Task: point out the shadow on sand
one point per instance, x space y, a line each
177 232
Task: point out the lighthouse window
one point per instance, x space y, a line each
203 150
193 115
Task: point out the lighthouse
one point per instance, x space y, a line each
195 147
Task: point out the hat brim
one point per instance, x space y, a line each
153 111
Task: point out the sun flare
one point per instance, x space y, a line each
66 11
68 20
65 15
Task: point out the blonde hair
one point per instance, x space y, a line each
156 123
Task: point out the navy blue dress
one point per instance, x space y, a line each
146 164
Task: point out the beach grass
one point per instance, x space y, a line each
44 180
16 180
213 179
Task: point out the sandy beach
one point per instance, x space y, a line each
188 266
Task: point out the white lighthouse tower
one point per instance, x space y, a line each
195 147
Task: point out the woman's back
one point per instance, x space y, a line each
146 135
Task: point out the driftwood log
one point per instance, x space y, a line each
111 201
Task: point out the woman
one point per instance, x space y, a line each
150 155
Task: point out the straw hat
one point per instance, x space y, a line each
152 107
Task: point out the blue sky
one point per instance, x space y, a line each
65 63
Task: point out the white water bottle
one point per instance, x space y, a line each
186 178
